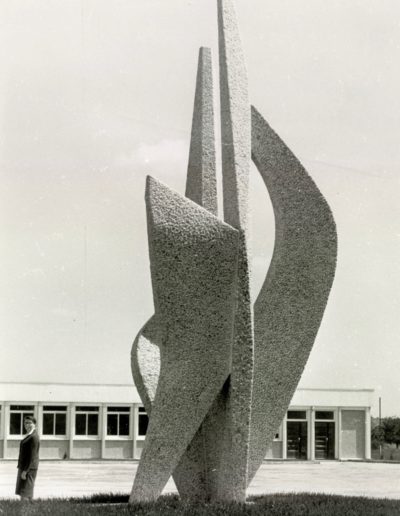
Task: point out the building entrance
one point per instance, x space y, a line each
324 441
324 435
296 435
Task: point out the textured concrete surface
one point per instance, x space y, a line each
194 362
194 474
231 480
292 300
193 257
65 479
201 183
145 361
196 471
235 117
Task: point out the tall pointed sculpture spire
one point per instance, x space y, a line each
201 183
235 118
215 373
236 156
198 464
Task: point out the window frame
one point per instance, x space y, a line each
139 437
23 413
128 412
54 411
305 418
86 436
327 420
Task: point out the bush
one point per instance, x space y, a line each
391 429
377 437
387 432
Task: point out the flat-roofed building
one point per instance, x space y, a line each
90 421
325 424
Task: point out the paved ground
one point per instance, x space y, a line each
64 478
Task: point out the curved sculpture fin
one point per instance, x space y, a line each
292 300
145 362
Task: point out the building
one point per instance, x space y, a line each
82 421
325 424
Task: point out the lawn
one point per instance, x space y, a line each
270 505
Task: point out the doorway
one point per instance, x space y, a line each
324 435
296 435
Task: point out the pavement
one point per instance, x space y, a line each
82 478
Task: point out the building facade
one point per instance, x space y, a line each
109 422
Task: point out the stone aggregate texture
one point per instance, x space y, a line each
200 464
194 474
216 373
289 308
145 362
231 480
201 183
193 257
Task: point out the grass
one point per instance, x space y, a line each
268 505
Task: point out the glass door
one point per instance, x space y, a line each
324 435
296 435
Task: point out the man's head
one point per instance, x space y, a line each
29 423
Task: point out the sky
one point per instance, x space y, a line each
95 95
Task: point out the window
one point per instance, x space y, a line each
324 415
86 420
54 420
143 422
17 415
118 420
296 414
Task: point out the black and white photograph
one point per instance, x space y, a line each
200 257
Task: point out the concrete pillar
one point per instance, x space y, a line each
284 438
67 428
71 430
368 432
103 429
135 426
39 419
6 428
132 429
339 432
311 451
3 430
36 416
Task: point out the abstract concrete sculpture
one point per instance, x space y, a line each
216 372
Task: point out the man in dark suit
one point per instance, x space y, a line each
28 460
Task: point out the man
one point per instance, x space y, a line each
28 460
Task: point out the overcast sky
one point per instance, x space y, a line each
96 94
